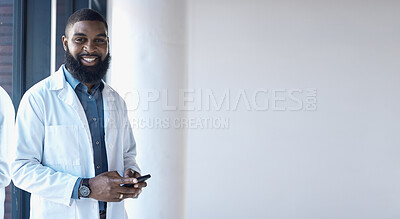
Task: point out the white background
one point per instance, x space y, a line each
341 160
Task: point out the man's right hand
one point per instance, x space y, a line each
107 187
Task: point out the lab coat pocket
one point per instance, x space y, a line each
61 146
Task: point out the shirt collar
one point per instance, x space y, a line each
70 79
75 82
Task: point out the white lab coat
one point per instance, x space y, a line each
54 148
7 116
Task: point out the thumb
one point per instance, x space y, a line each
128 173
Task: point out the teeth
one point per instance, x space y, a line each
89 59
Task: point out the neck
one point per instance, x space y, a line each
89 87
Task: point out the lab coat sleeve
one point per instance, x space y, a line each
129 143
7 116
27 169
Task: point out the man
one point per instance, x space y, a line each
75 148
7 116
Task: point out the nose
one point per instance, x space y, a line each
89 47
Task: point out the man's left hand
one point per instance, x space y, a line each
129 173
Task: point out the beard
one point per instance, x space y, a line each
87 74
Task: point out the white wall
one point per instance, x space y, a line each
340 160
149 55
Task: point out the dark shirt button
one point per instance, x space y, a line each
98 166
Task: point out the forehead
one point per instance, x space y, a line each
88 28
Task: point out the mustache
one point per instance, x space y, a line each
89 54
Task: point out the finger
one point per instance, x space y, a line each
125 190
124 180
129 173
136 174
119 197
140 185
131 196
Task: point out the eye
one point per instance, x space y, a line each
80 40
100 41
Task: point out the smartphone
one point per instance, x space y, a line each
139 179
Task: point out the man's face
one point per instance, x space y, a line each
86 46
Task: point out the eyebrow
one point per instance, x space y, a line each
79 34
98 35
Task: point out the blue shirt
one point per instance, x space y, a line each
92 103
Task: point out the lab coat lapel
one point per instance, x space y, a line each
109 115
68 95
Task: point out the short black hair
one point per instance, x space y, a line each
85 14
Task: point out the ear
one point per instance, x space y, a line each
65 42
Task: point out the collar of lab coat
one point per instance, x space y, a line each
59 80
67 94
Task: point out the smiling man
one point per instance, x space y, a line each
75 148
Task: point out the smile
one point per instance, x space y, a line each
89 60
